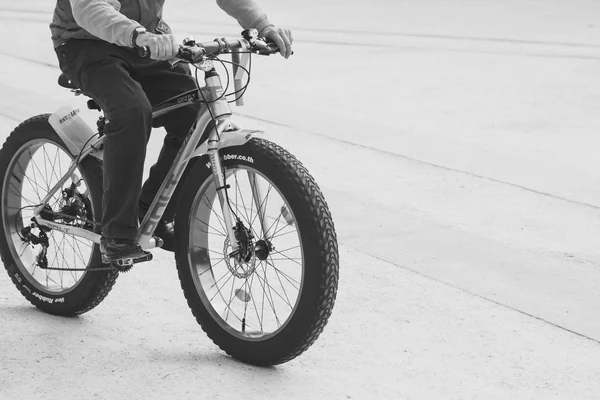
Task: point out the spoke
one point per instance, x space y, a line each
25 247
31 183
217 215
288 249
34 264
260 322
86 243
210 226
23 197
29 179
54 174
249 219
220 220
282 228
62 251
80 253
61 272
262 311
276 222
264 283
62 260
77 241
282 287
59 164
289 258
244 323
272 288
286 276
55 252
211 267
241 198
39 171
283 234
45 156
56 157
263 204
49 278
75 254
251 202
53 170
230 298
204 248
224 283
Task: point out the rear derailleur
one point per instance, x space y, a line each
74 211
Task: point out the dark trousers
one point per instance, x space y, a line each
126 87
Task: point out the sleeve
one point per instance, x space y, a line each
104 21
246 12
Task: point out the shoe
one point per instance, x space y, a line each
114 249
164 230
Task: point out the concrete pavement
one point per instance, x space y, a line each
456 145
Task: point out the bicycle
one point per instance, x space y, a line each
254 234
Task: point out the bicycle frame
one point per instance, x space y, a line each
223 133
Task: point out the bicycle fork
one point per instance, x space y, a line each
218 172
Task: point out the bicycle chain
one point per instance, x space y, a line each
82 222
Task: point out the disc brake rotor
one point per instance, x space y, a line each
239 268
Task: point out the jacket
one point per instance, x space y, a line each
115 20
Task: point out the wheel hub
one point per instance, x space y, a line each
262 249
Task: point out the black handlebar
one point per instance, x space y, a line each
196 52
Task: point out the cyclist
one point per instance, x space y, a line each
95 42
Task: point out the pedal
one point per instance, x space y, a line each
127 262
125 265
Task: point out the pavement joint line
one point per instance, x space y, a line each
401 34
46 64
480 296
10 117
458 37
416 160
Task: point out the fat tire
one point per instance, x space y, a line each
94 286
321 259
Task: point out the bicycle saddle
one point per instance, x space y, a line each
66 82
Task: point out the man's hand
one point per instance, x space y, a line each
162 47
281 37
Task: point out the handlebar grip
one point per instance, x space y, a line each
143 52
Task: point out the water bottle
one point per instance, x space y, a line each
71 128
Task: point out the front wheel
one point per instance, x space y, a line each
269 302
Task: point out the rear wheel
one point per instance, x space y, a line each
51 268
269 303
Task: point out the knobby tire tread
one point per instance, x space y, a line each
105 280
301 182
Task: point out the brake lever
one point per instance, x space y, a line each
266 48
183 55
